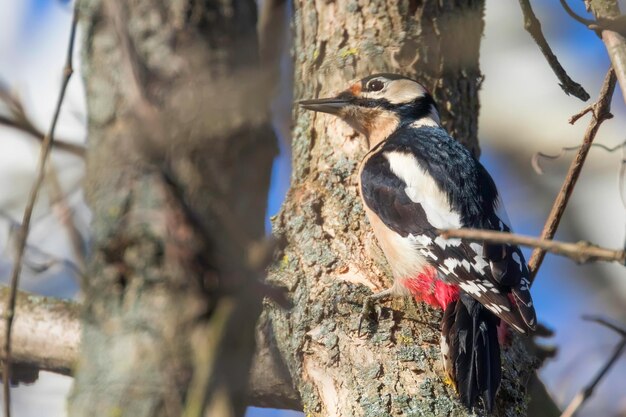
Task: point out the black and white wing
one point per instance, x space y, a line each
399 189
509 267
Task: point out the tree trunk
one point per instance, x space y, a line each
330 260
180 151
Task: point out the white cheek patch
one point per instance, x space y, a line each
403 91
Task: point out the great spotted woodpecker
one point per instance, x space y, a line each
417 179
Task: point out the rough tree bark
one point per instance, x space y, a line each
330 260
180 151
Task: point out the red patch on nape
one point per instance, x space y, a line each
427 288
355 88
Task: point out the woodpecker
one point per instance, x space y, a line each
415 180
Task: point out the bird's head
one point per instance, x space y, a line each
377 105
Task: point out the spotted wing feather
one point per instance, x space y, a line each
461 265
511 269
488 273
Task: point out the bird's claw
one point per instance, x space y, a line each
370 307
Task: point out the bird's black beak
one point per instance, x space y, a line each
326 105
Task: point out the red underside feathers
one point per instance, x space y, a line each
427 288
504 337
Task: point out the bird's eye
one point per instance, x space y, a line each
375 85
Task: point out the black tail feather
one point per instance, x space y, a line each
473 351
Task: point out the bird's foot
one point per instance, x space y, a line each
371 308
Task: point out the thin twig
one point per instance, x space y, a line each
532 26
587 391
606 323
576 17
46 146
19 120
573 119
50 260
615 24
581 252
601 111
65 215
536 158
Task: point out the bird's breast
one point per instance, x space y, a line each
402 253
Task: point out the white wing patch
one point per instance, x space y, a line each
421 188
443 243
480 264
472 288
423 240
477 248
451 264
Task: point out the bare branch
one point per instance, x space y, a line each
536 158
532 26
46 336
606 323
587 391
601 111
606 12
581 252
19 120
535 162
49 259
65 216
46 146
46 332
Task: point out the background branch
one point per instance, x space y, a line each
615 43
532 26
46 331
19 120
600 111
573 15
581 252
587 392
23 234
61 207
536 164
606 323
46 336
